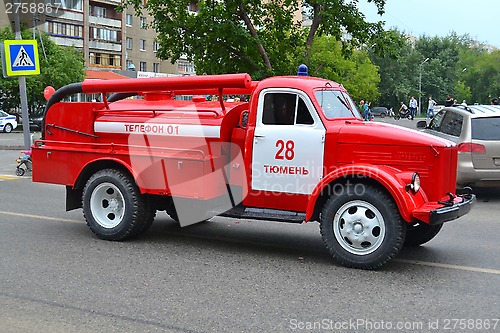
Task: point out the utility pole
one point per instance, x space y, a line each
420 87
22 86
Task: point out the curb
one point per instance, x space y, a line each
12 148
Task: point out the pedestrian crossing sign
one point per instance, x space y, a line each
21 57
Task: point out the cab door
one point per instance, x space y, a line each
288 144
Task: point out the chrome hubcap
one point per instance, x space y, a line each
359 227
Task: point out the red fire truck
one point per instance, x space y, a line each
296 150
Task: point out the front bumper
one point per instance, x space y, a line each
452 211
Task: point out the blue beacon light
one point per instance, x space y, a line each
302 71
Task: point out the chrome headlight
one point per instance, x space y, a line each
415 183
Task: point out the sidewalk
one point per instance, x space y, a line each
15 140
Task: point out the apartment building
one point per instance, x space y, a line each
109 40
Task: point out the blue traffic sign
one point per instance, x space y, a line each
21 57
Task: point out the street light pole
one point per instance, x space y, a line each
420 87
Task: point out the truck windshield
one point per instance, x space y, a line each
336 104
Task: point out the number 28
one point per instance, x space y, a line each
285 150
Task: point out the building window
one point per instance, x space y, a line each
118 61
142 22
129 20
99 11
184 67
64 29
156 45
104 34
142 66
68 4
142 45
156 67
129 43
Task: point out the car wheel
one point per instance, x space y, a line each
362 230
382 115
114 207
7 128
420 233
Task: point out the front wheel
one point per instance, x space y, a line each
114 207
20 172
421 233
362 227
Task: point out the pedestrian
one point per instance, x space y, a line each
449 101
361 106
430 108
391 112
413 107
366 111
464 103
495 101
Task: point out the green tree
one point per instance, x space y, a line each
260 37
58 66
356 72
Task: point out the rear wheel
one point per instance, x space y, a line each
114 207
362 227
7 128
421 233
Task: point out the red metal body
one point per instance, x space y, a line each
177 148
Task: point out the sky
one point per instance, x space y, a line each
477 18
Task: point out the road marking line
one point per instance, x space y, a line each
459 267
40 217
405 261
9 177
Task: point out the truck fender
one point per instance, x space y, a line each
392 180
95 165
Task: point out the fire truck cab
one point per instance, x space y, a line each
297 150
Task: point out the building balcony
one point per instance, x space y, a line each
105 21
68 41
105 46
68 15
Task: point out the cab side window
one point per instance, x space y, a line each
303 115
285 109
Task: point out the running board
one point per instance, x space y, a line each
265 214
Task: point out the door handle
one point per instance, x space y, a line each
259 135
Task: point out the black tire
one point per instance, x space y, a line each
362 227
149 217
420 233
7 128
172 212
382 115
20 172
114 207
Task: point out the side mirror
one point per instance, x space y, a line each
244 119
422 124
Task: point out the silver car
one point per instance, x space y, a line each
476 131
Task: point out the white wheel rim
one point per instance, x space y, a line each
107 205
359 227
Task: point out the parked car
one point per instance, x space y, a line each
7 122
476 131
379 111
36 121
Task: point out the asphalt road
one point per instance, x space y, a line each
229 275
